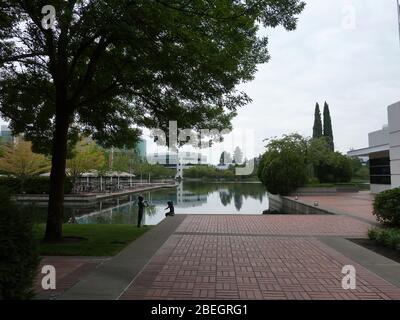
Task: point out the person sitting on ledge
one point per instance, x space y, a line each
171 209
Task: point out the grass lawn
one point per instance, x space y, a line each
99 239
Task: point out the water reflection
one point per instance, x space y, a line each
188 198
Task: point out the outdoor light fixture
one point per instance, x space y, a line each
316 204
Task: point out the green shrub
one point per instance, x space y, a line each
19 258
11 184
31 185
336 169
283 166
372 233
386 237
387 207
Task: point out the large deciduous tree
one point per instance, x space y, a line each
109 66
283 167
20 161
86 156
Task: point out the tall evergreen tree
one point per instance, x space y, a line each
317 129
328 132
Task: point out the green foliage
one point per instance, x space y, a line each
19 258
293 161
86 156
386 237
328 166
109 67
360 172
387 207
31 185
156 171
328 131
115 69
317 129
20 161
283 166
209 172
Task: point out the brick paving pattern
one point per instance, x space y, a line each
259 257
247 267
275 225
252 257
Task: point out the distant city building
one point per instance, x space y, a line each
141 148
170 159
5 134
384 153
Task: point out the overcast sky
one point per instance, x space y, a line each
346 52
353 64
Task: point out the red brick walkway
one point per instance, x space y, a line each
275 225
256 257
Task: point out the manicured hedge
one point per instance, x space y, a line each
386 237
19 257
31 185
387 207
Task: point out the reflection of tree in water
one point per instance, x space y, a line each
252 190
238 199
239 192
225 196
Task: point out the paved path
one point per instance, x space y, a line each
248 257
245 257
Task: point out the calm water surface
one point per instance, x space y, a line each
188 198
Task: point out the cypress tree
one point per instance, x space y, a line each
317 129
328 132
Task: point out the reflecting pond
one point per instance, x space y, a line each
188 198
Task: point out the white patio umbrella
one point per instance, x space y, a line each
119 174
46 174
91 173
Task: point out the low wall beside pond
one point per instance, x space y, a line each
291 206
351 188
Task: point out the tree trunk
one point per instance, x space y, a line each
57 176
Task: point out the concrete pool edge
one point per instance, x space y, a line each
86 198
109 280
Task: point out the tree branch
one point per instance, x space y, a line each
21 56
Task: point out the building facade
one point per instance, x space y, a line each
141 148
384 153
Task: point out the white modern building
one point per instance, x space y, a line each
172 160
384 153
